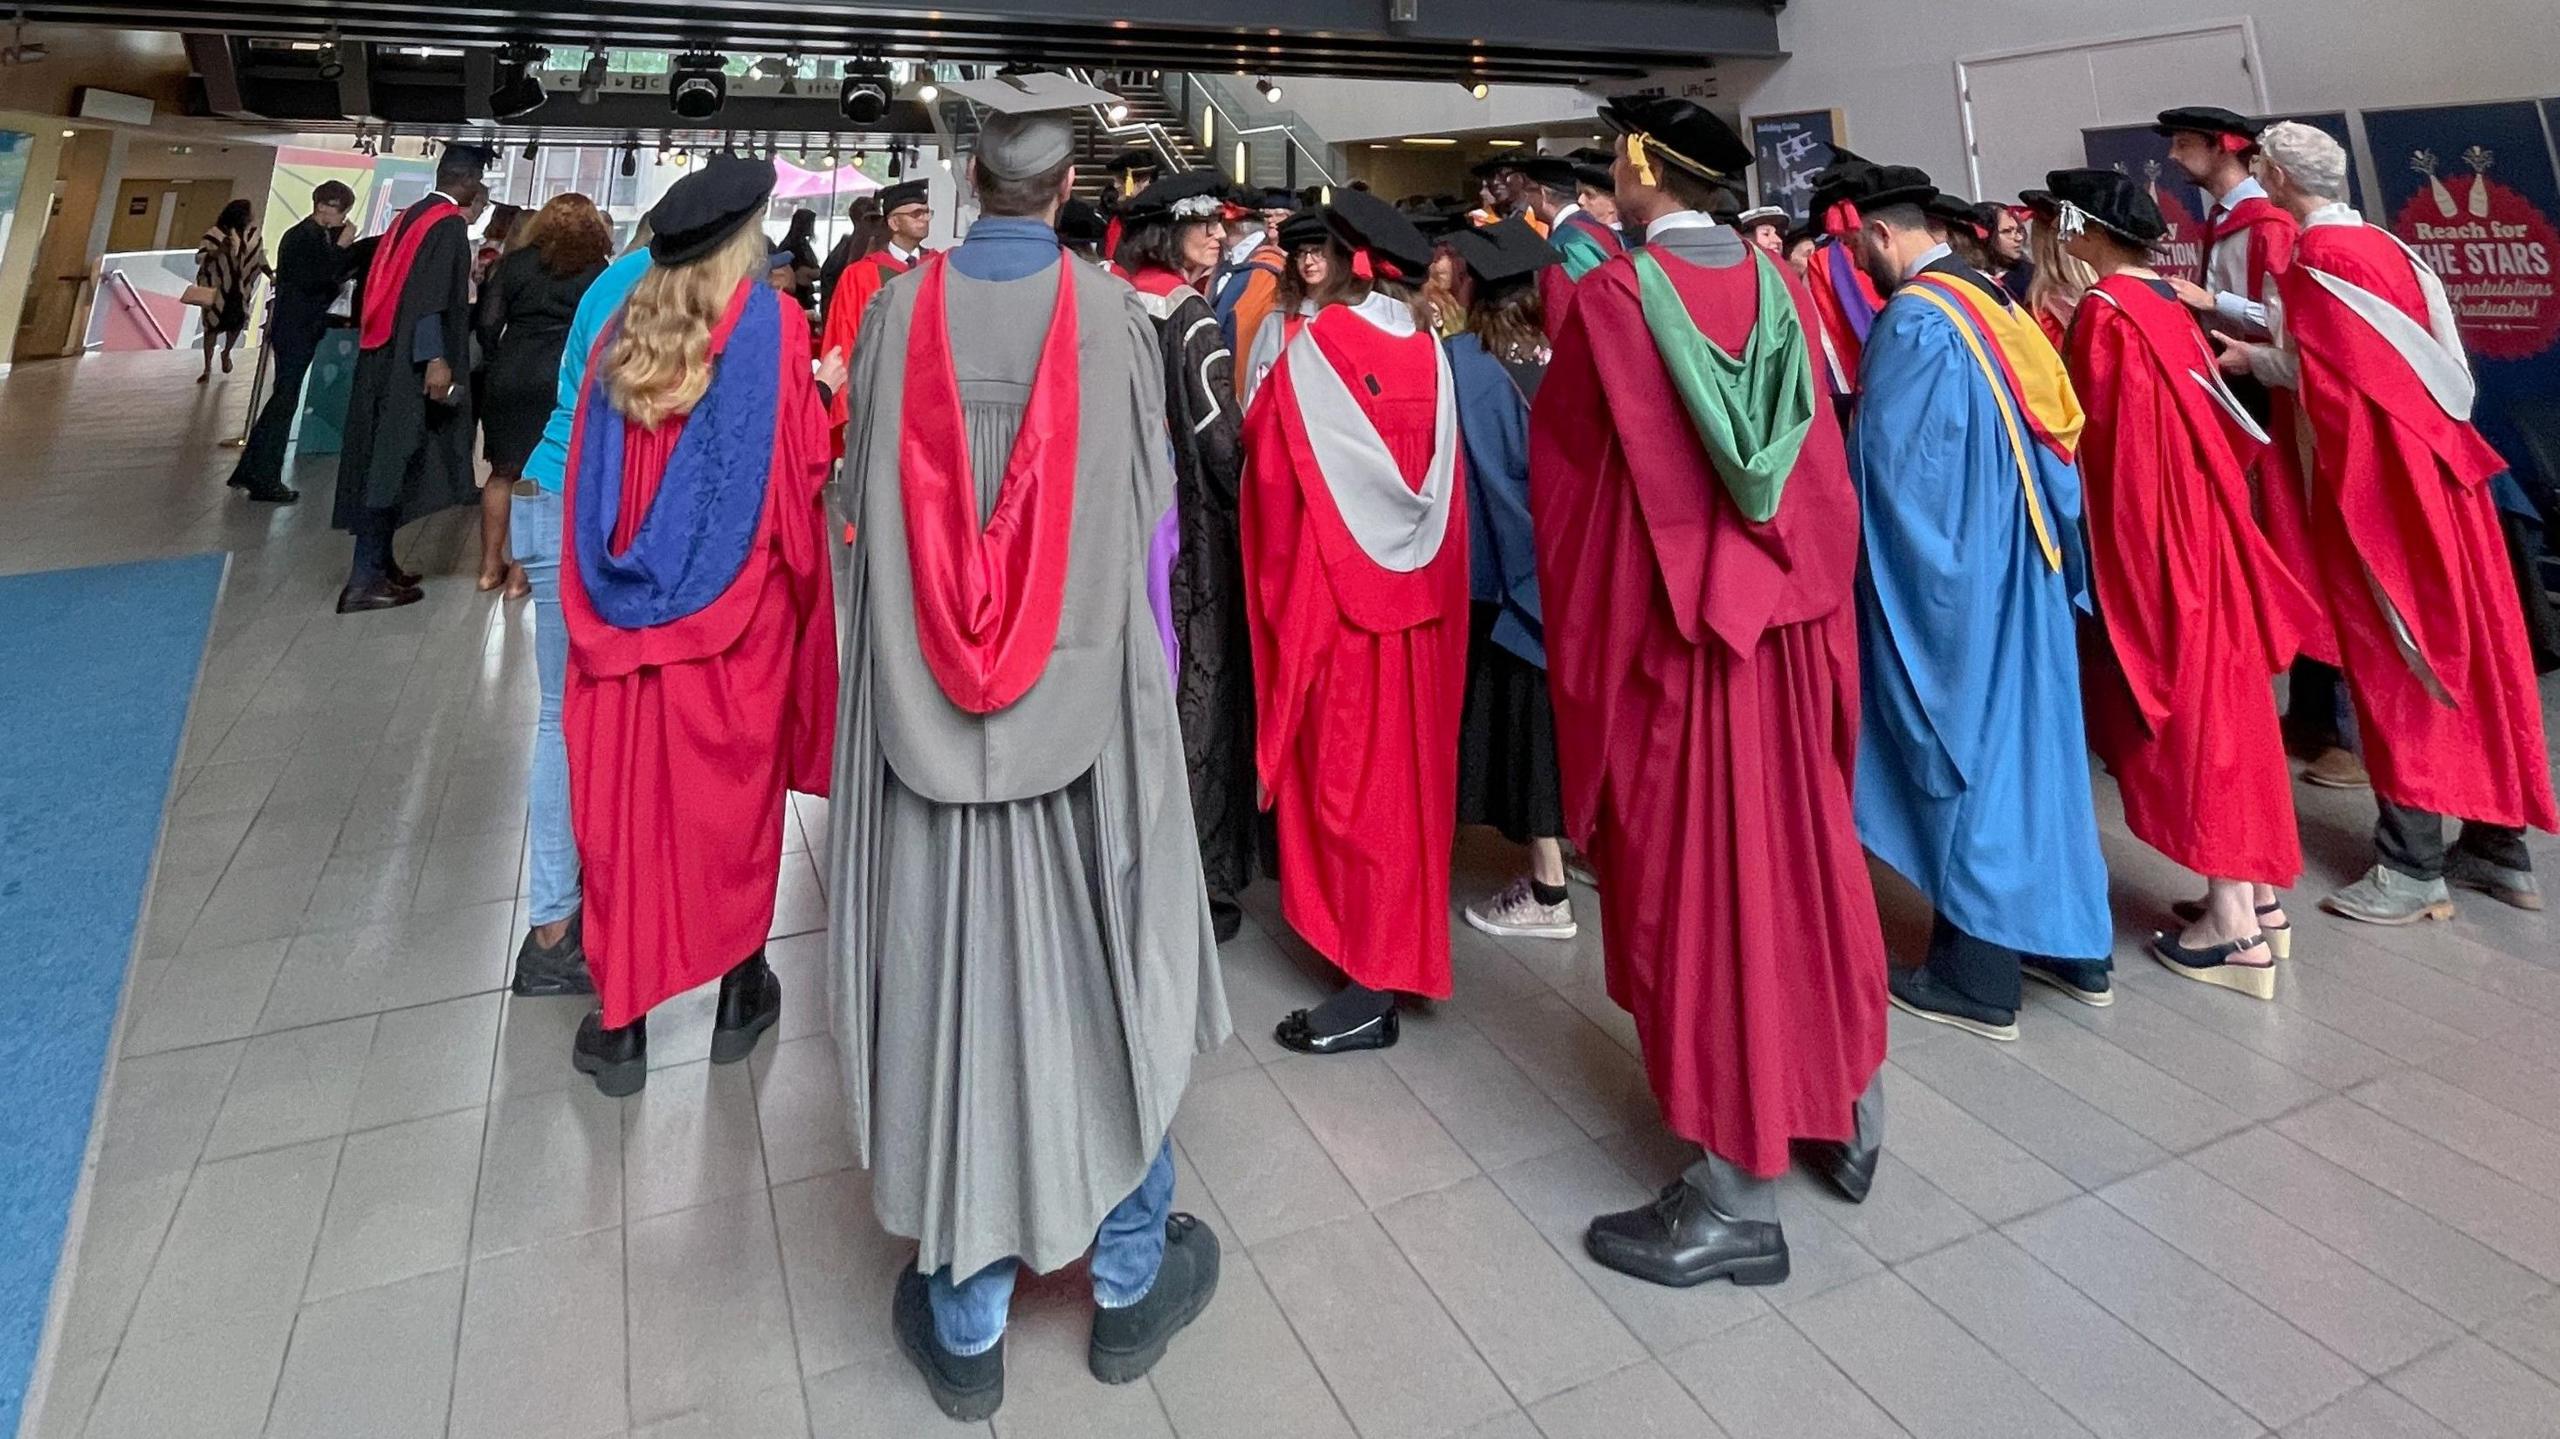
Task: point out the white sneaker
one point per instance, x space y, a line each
1516 912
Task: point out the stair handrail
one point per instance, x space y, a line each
133 302
1157 137
1175 85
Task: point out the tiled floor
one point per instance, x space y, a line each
348 1188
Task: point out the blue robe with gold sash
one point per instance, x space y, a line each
1973 770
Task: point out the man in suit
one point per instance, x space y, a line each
312 262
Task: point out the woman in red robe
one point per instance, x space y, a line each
1355 556
695 586
2196 614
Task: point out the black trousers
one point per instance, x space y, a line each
2311 713
373 532
262 463
2412 842
1984 972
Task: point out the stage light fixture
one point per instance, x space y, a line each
333 56
531 149
697 87
897 163
928 92
519 90
1270 90
864 96
591 78
630 161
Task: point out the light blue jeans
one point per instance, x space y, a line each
968 1317
534 534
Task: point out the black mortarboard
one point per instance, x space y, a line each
2111 200
1592 166
1554 171
1682 132
1833 182
2207 120
1876 187
1303 230
1507 160
1081 224
1505 250
1954 211
1191 195
2040 201
1364 222
1133 159
1438 222
894 198
700 212
465 156
1271 200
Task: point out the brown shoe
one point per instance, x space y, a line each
2337 769
377 595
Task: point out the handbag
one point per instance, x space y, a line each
203 297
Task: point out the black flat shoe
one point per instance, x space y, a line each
560 969
379 595
1298 1032
750 1003
1850 1174
270 494
2245 964
1679 1240
618 1059
1917 991
968 1387
1128 1342
2092 982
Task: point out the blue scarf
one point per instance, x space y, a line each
710 503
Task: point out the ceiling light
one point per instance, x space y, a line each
1429 140
928 92
1270 90
519 90
697 87
1505 144
1118 113
1479 89
864 96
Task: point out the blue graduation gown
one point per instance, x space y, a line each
1502 560
1973 769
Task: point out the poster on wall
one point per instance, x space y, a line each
2473 189
1787 150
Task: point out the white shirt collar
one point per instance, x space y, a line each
1246 248
2247 189
2336 212
1678 220
902 254
448 199
1934 255
1567 213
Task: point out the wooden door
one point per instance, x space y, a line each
135 225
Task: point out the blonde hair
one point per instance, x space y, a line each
659 364
2060 280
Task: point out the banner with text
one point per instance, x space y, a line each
2473 189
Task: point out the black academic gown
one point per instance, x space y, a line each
404 452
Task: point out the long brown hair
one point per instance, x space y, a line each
659 363
571 234
1511 319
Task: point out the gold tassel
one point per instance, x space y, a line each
1643 162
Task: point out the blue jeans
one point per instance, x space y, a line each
968 1317
535 537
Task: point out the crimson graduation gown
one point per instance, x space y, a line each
1355 556
2406 544
693 704
1705 675
860 285
2259 240
2195 610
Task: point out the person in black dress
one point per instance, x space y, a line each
313 261
523 318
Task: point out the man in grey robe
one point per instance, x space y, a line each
1023 940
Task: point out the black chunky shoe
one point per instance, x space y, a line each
1299 1032
558 969
618 1059
1128 1342
968 1387
1679 1240
750 1003
1850 1174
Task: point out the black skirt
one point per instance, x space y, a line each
1507 775
523 382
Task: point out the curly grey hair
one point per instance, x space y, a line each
2308 156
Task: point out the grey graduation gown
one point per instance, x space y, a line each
1022 945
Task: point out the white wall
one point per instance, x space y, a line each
1890 64
1354 110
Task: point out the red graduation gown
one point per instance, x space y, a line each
1359 672
2196 612
2401 508
2284 494
862 281
1705 675
682 737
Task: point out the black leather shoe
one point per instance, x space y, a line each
376 595
560 969
750 1002
1680 1240
407 579
617 1058
1298 1032
1850 1174
970 1387
1128 1342
271 494
1917 991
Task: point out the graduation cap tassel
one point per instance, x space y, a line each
1642 161
1842 219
